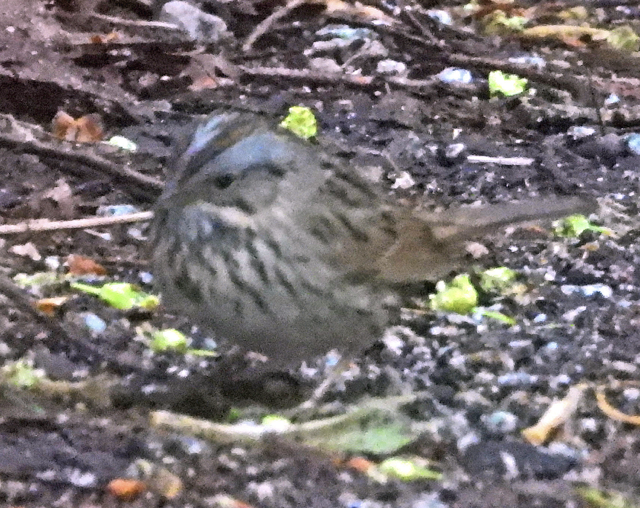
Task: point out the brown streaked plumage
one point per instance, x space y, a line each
262 241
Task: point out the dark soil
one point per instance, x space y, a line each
482 381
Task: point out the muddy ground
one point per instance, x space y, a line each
480 380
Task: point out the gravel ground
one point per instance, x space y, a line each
462 387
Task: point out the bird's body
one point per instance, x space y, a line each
259 239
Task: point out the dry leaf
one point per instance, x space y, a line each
49 305
86 129
27 250
62 195
103 39
359 464
80 265
558 413
126 490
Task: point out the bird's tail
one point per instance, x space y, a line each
470 222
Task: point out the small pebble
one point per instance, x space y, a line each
455 75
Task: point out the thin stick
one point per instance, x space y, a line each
103 165
90 222
267 23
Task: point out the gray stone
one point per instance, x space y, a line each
199 25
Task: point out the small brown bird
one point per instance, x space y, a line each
261 240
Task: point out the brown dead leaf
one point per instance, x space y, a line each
49 306
104 38
80 265
61 124
86 129
89 129
126 490
205 69
359 464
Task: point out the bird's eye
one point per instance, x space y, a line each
223 181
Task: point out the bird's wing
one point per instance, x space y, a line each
421 246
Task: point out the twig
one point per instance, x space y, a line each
411 18
90 222
357 80
267 23
147 183
307 75
136 23
501 161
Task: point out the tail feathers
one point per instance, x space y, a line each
430 246
473 222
